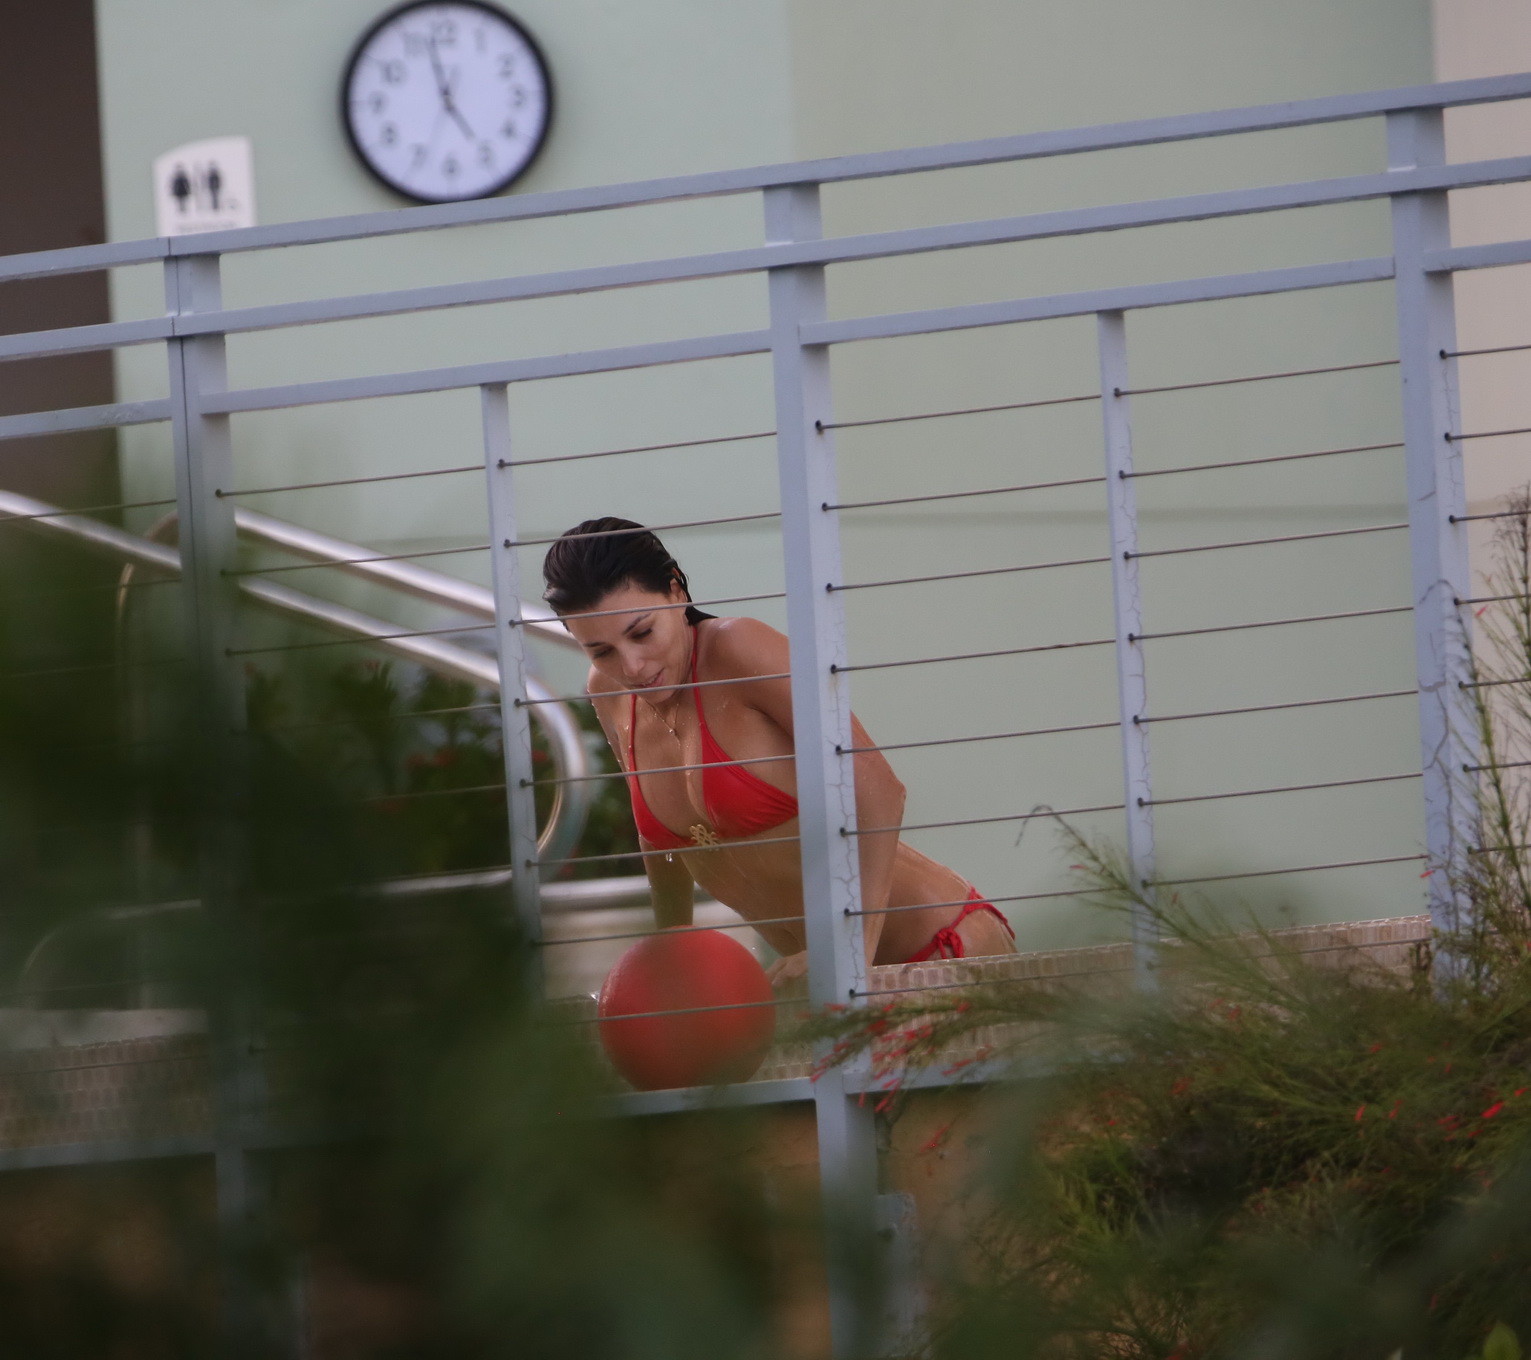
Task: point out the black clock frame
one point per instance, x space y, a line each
381 22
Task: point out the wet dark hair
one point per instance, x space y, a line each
597 556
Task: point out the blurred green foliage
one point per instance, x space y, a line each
421 754
1276 1155
436 1171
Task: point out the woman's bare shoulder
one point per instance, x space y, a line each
746 647
597 686
607 706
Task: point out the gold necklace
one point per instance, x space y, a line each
674 731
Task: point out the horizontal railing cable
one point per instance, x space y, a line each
636 448
643 529
988 736
137 583
1276 708
963 901
1494 684
1497 849
1485 434
1257 462
1487 599
23 992
359 641
1271 623
1472 353
350 481
143 1060
972 656
359 720
967 575
690 1010
1254 377
87 510
1283 788
1266 542
979 821
435 793
822 425
1497 765
358 561
1493 514
94 666
657 608
964 495
669 930
620 693
679 850
1295 869
659 769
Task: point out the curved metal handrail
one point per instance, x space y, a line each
571 802
406 577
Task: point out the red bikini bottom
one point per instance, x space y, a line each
946 943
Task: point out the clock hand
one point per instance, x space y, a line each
444 86
455 112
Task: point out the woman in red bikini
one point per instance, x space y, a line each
731 827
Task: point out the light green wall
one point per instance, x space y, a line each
678 85
659 89
872 74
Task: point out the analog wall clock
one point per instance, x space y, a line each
446 100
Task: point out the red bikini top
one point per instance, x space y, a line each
738 803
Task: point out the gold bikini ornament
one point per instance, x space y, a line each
702 834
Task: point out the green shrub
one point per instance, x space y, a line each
1274 1156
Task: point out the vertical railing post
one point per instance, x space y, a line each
1131 666
510 646
821 718
203 452
1438 540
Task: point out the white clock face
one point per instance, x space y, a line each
447 101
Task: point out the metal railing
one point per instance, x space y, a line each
797 340
566 745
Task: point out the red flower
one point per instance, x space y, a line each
937 1140
1360 1113
1492 1110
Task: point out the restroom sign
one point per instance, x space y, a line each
204 186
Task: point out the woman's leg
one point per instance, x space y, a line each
984 932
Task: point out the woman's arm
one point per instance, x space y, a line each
671 886
747 647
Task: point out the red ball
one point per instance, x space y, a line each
674 971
